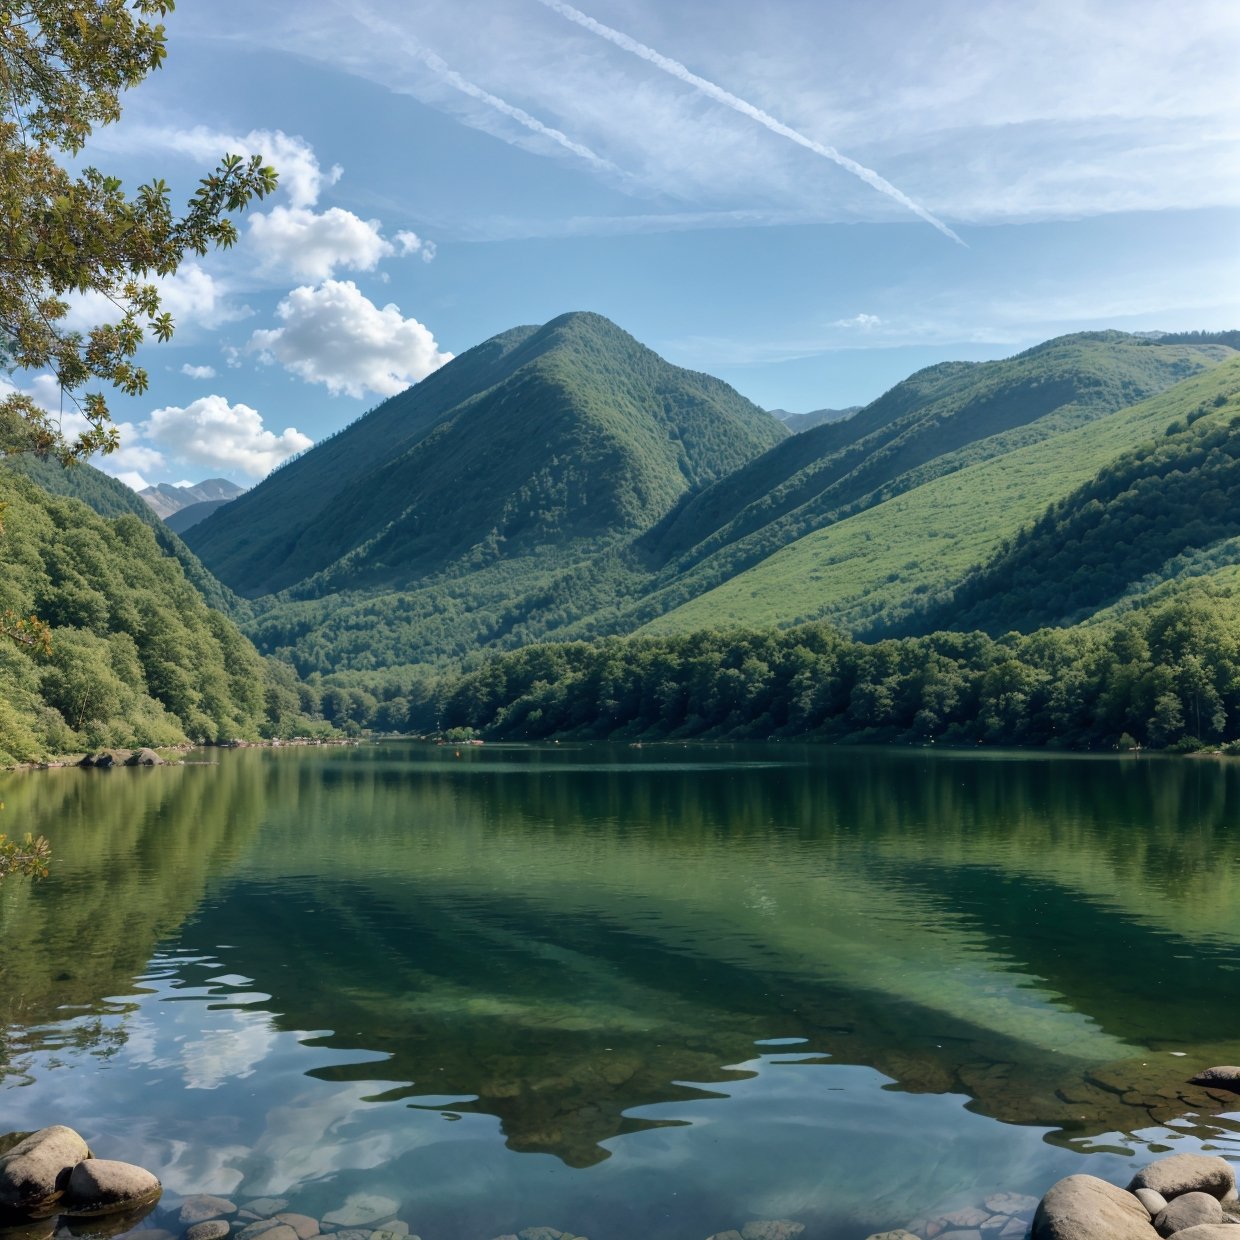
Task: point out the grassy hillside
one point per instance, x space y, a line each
1155 505
137 656
885 561
536 439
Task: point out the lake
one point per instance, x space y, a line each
626 992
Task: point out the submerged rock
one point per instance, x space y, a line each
203 1207
36 1171
1226 1076
212 1229
361 1209
772 1229
265 1207
898 1234
106 1226
1082 1207
102 1186
1187 1173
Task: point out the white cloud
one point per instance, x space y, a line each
133 480
312 244
865 322
409 243
335 335
214 433
191 295
198 372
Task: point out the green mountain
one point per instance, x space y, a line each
798 422
137 657
189 516
541 438
868 573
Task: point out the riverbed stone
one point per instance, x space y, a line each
104 1186
968 1219
772 1229
1083 1207
1188 1210
361 1209
202 1207
540 1233
36 1171
736 1235
265 1207
898 1234
1014 1229
1223 1076
212 1229
1187 1173
970 1234
104 1226
305 1226
1153 1201
260 1227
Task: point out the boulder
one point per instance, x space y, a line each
732 1235
212 1229
1226 1076
102 1186
1208 1231
1188 1210
1154 1202
203 1207
36 1171
251 1231
898 1234
1082 1207
1187 1173
265 1207
144 757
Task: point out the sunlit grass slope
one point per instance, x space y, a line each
881 563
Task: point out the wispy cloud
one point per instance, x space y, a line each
737 104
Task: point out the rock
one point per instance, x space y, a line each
772 1229
1082 1207
539 1233
971 1234
360 1209
1224 1077
102 1186
1014 1204
36 1171
898 1234
1186 1173
144 757
1014 1229
1154 1202
1188 1210
260 1227
1208 1231
213 1229
106 1226
305 1226
388 1232
736 1235
201 1208
968 1219
265 1207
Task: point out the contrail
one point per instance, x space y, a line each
446 73
677 70
394 37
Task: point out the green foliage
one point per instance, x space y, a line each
136 656
63 68
1157 678
28 856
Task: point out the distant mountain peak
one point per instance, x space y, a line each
165 498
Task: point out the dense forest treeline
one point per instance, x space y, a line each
137 656
1165 676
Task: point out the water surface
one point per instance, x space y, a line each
623 991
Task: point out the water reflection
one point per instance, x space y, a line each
582 953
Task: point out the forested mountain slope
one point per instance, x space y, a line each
539 438
137 657
939 420
871 571
110 498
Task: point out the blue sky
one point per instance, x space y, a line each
765 192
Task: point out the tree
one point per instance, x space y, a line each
28 856
64 65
